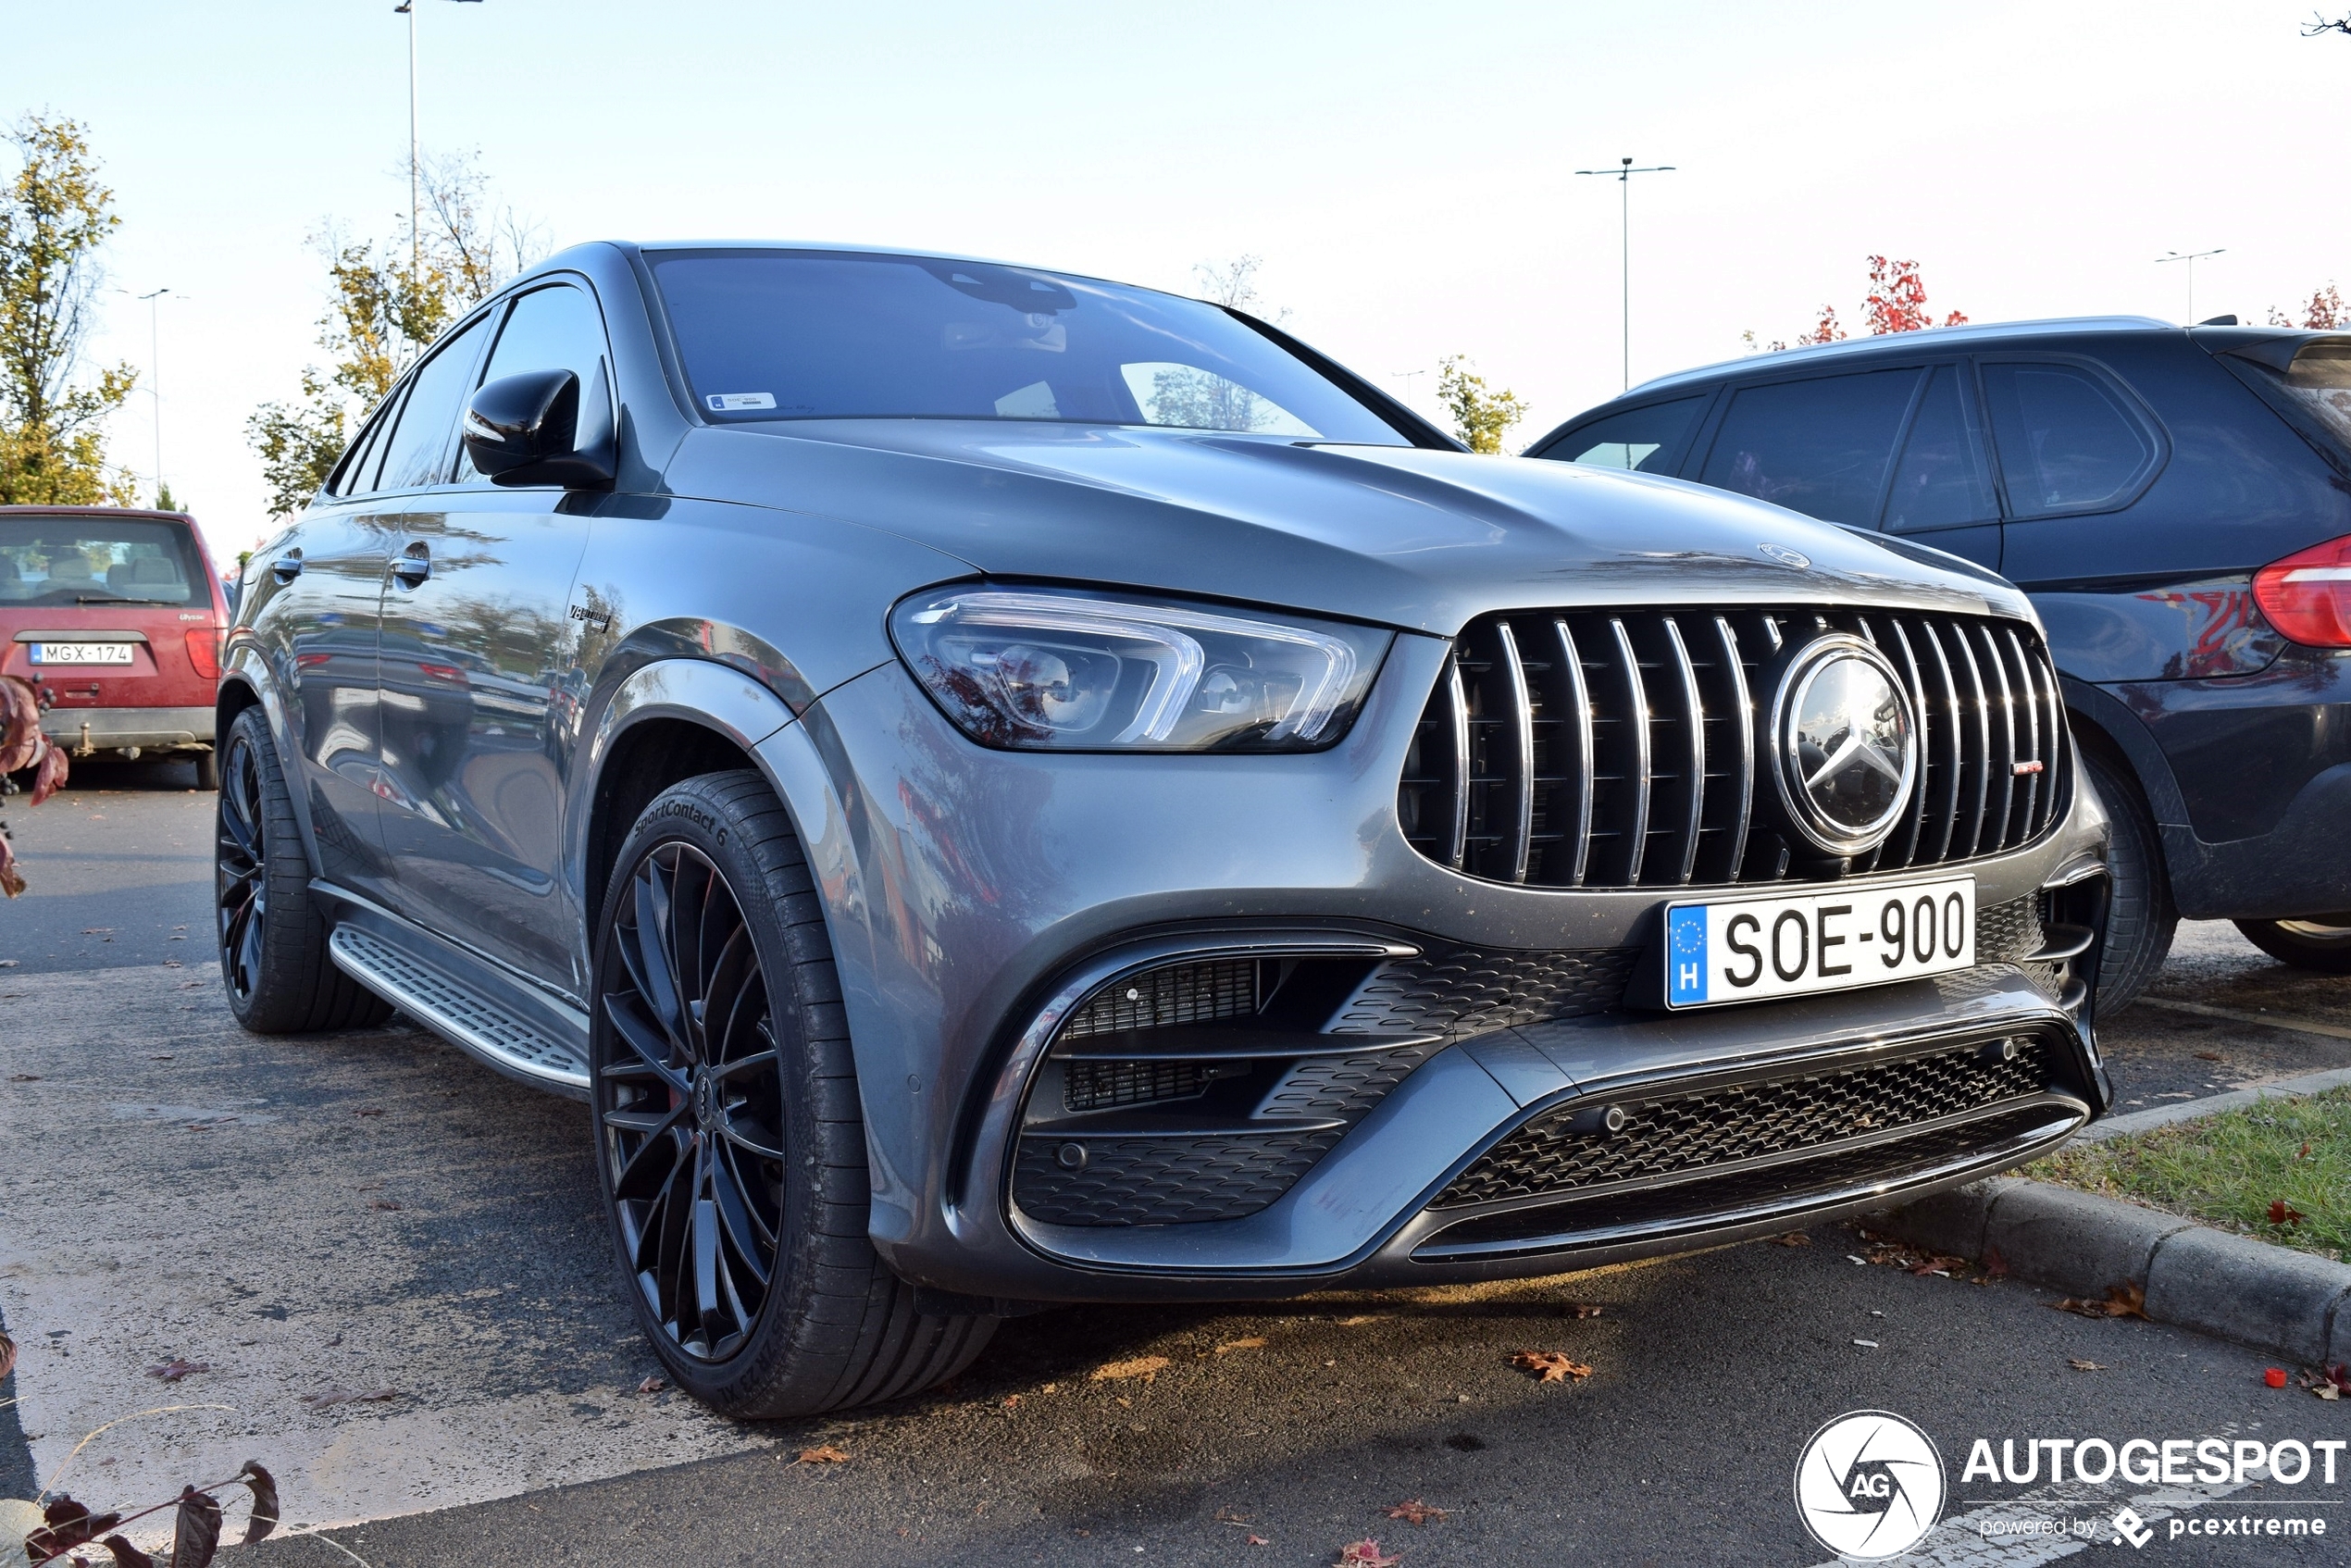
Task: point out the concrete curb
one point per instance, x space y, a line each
2212 1105
2273 1299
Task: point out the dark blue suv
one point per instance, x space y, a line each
2176 501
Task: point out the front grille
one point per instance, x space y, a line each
1675 1135
1163 1180
1579 749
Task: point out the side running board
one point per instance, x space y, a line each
540 1052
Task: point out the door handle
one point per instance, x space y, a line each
414 566
287 567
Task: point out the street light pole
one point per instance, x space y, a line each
1623 177
409 8
2190 257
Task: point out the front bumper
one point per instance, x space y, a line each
81 730
974 897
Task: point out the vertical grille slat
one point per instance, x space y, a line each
1636 724
2004 761
1518 809
1740 785
1574 710
1903 847
1566 748
1693 750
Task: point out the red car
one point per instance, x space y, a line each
117 616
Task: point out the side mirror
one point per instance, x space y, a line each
525 429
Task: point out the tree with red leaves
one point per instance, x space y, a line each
2325 313
1895 302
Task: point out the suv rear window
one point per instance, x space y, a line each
1818 446
1647 439
69 559
2067 443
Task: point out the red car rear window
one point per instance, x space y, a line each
92 559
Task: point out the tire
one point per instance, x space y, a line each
2140 917
272 935
721 1154
2318 942
208 769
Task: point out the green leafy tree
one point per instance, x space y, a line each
387 303
54 217
1482 418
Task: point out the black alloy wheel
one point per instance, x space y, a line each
272 931
692 1112
241 880
729 1134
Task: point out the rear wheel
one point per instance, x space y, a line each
273 938
2319 941
729 1139
2140 918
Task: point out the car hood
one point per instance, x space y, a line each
1396 535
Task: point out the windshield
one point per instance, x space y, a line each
823 334
69 559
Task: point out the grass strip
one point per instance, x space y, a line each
2230 1170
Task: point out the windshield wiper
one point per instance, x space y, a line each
112 599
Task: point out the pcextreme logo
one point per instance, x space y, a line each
1869 1486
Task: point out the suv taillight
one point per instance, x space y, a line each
2307 595
204 650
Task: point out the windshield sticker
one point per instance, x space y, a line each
735 403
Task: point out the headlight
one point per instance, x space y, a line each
1040 669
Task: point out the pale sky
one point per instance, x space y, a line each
1406 172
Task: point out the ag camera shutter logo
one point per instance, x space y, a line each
1869 1486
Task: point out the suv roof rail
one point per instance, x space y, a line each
1988 331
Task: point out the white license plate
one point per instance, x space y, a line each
81 653
1835 939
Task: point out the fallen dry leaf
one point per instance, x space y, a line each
178 1367
1012 1401
2124 1300
1414 1512
1144 1367
326 1398
1548 1366
2303 1152
1936 1264
2284 1213
1254 1342
2084 1365
2329 1382
1995 1266
1582 1309
1258 1541
1793 1239
2208 1056
1364 1554
823 1454
651 1385
8 1355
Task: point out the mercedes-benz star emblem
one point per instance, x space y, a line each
1845 743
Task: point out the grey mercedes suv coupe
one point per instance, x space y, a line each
1001 789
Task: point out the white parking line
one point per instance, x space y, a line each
306 1218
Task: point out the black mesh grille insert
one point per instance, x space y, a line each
1725 1196
1182 993
1585 749
1102 1085
1666 1136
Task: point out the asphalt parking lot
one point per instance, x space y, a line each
388 1266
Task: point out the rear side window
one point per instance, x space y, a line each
1820 447
67 560
417 451
1940 480
358 475
2068 442
1647 439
